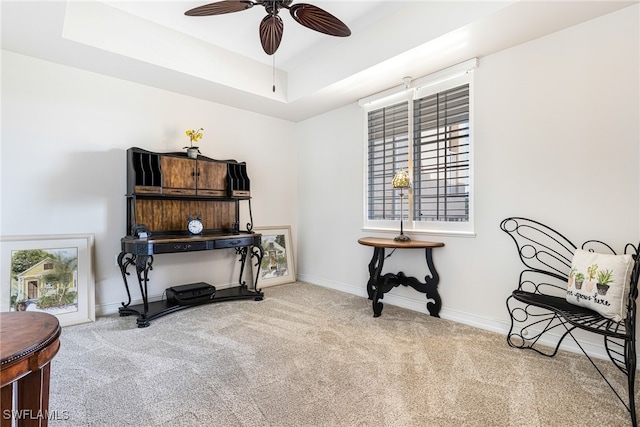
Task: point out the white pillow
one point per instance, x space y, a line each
585 287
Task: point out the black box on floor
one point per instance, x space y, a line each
193 293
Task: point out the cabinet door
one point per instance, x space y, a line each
212 178
178 175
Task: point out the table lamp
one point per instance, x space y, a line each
401 180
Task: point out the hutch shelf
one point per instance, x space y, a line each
164 192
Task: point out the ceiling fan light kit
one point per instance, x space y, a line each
272 27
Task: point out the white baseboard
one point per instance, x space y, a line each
499 326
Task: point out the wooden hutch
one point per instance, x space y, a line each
164 191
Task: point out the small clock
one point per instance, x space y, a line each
194 225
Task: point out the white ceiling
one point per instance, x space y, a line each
219 58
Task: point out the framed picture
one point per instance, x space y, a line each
278 265
51 274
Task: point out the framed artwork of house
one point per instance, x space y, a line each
278 265
51 274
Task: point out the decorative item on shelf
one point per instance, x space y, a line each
401 180
194 224
194 136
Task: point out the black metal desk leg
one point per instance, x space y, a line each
431 286
144 263
123 263
258 253
242 252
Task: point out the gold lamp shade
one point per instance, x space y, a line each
401 180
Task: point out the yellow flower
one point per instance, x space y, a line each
194 135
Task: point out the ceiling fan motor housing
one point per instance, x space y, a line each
273 7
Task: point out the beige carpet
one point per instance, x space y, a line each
310 356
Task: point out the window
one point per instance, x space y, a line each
427 132
441 162
388 152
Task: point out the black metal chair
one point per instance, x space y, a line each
540 312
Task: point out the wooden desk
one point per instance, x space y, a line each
30 340
379 284
164 192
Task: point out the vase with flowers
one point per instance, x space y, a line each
194 136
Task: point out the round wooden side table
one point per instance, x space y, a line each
380 284
28 343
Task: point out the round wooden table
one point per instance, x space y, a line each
29 341
380 284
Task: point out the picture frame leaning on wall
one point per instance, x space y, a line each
278 262
49 273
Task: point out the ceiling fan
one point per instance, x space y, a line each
272 27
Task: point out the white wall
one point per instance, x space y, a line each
556 139
64 136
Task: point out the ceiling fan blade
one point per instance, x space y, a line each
220 7
319 20
271 29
